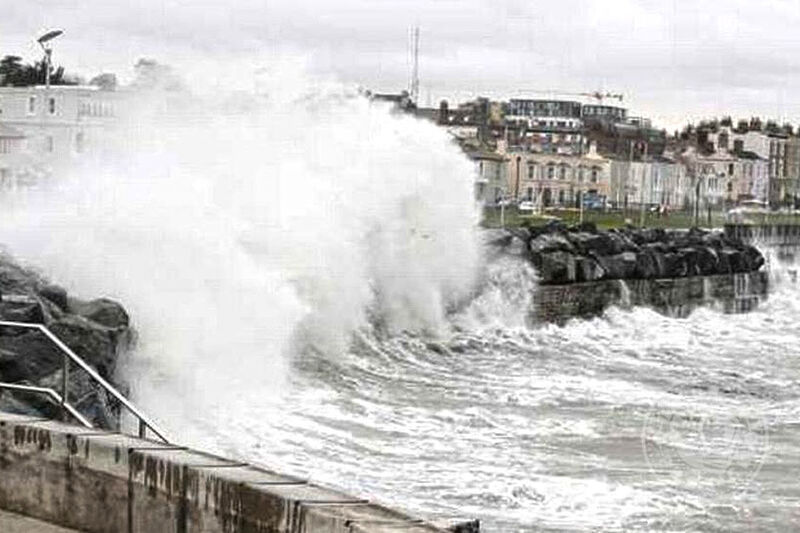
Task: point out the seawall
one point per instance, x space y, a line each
783 239
674 296
96 481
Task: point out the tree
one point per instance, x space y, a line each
771 127
150 74
12 71
15 73
106 81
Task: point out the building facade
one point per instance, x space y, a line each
604 113
557 180
56 123
12 157
491 179
545 126
654 182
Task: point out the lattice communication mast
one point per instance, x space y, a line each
413 89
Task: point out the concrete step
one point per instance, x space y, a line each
14 523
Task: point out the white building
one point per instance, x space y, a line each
754 183
12 156
554 179
653 182
490 177
56 124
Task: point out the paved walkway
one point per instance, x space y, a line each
14 523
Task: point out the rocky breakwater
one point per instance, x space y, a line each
98 331
582 270
579 254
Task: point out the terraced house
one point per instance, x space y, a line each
553 179
41 127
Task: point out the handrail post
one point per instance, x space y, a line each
64 386
63 399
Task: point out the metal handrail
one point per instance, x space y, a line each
53 394
144 422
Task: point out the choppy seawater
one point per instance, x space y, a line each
632 421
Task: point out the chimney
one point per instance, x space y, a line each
444 112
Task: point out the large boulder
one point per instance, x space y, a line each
619 266
97 331
557 268
754 256
690 256
586 243
735 259
22 308
588 269
95 343
56 295
102 311
550 242
675 265
707 260
647 266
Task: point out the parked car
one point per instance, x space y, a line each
526 205
593 202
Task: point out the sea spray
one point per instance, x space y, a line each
238 235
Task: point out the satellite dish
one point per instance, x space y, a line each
49 36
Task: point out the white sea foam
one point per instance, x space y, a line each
237 228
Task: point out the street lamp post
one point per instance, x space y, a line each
48 53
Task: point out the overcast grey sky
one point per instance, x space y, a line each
672 59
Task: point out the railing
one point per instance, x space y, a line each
144 423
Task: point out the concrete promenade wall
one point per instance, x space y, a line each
96 481
673 296
765 234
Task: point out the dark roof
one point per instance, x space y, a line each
427 113
746 154
493 156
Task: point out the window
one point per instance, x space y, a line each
5 146
594 175
31 105
79 142
561 196
581 171
529 194
50 144
551 172
562 172
531 172
730 169
51 105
